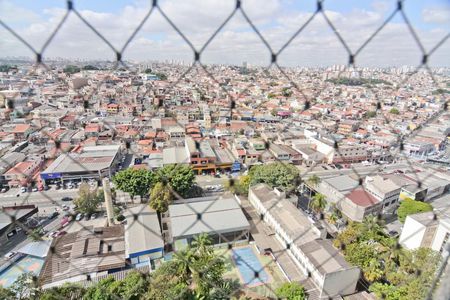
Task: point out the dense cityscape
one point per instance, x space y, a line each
289 183
212 150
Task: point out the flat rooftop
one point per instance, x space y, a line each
342 183
91 159
142 233
217 215
294 222
175 155
18 214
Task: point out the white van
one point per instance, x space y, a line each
10 255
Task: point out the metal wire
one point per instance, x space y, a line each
198 68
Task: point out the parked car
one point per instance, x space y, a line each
393 233
79 217
53 215
93 216
10 255
65 207
23 189
60 233
87 217
66 199
35 189
3 190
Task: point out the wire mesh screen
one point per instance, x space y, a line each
295 221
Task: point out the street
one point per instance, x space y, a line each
45 200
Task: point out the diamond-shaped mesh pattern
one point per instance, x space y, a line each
86 102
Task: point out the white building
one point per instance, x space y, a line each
425 230
305 243
383 189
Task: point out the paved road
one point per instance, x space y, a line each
20 239
44 200
210 180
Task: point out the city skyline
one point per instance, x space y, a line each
277 21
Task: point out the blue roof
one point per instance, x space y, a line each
38 249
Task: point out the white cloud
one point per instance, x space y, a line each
198 19
436 15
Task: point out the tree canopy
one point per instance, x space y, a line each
240 186
394 111
134 181
390 269
160 197
197 272
275 175
88 199
71 69
409 207
181 178
291 291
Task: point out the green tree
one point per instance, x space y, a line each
90 68
181 178
167 283
370 114
275 175
71 69
348 236
313 181
134 181
6 293
35 235
291 291
386 291
410 207
101 290
88 200
286 92
200 267
161 76
332 218
160 197
69 291
394 111
148 71
26 286
239 187
318 203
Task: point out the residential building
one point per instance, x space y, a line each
427 230
305 242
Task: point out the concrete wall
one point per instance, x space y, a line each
440 235
412 234
340 283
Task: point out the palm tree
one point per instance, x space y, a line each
183 262
35 235
314 180
318 203
332 218
201 244
373 224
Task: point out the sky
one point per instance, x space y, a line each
277 21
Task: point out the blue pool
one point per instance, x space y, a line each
22 265
248 263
